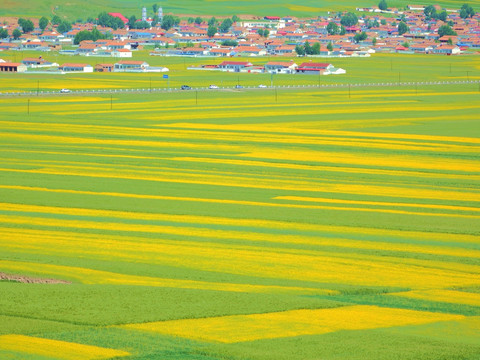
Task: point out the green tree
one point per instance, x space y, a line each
316 49
342 30
374 41
56 20
402 28
198 20
64 27
382 5
430 11
466 11
16 34
446 30
132 21
212 30
406 44
308 48
43 23
225 25
383 22
330 46
229 43
212 21
360 37
168 22
332 28
300 50
349 19
235 18
155 9
260 32
3 33
442 16
190 20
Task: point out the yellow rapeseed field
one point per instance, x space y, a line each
55 349
238 328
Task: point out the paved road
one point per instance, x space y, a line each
165 90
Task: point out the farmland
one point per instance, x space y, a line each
80 8
243 224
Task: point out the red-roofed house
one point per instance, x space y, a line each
236 66
284 67
120 16
12 67
69 67
314 68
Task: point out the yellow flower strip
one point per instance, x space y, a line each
449 296
56 349
228 234
239 328
90 276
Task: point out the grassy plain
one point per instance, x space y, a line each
243 225
83 9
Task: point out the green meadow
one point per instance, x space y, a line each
75 9
379 68
296 224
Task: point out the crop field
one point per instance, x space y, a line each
379 68
74 9
297 224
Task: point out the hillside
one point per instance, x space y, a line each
75 9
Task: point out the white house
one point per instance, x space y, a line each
86 68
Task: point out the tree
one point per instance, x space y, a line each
56 20
330 46
212 21
316 49
3 33
430 11
332 28
43 23
131 21
360 37
266 32
198 20
374 41
383 22
191 20
167 22
108 20
300 50
446 30
26 25
382 5
308 48
449 41
466 11
16 34
64 27
212 30
402 28
235 18
90 20
260 32
442 16
155 8
225 25
342 30
229 43
406 44
349 19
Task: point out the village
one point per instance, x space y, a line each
414 30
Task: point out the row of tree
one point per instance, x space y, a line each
308 49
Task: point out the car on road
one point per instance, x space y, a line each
238 87
186 87
65 91
213 87
262 86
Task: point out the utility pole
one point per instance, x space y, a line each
196 97
349 91
28 107
111 102
150 84
38 86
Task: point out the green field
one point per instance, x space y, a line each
313 223
75 9
378 68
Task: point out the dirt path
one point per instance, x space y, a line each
30 280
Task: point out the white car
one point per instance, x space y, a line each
213 87
65 91
262 86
